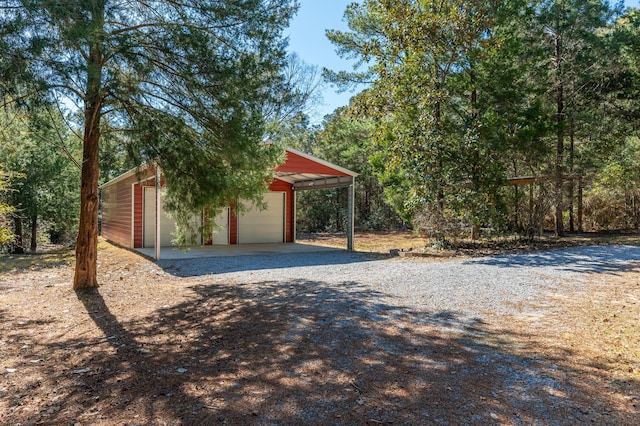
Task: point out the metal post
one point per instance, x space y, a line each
350 214
158 208
580 207
295 215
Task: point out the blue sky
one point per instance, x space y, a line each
307 39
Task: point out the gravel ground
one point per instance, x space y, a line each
468 288
325 338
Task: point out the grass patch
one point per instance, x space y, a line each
37 261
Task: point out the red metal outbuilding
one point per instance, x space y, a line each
131 204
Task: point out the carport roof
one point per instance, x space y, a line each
305 172
302 170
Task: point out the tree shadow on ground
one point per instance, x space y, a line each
219 265
305 352
610 259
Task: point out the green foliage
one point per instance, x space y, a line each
613 202
183 85
466 94
348 142
424 58
6 210
35 145
624 83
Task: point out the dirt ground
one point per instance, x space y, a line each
150 348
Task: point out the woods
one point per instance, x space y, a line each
466 95
477 118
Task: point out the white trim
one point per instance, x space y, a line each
133 215
140 182
158 242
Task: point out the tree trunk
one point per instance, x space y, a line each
475 231
571 169
19 245
559 231
34 233
580 208
87 242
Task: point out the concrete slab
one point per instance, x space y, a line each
169 253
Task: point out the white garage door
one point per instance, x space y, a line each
221 230
263 226
167 225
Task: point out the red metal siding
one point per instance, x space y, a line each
297 164
118 205
137 215
116 212
117 208
233 225
139 212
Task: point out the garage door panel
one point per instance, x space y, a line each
167 224
263 226
221 230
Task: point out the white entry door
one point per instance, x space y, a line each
264 226
167 225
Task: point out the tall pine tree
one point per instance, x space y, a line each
185 81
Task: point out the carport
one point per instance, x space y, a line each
323 175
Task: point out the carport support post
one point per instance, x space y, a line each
158 207
295 214
350 214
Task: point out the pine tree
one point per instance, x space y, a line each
185 81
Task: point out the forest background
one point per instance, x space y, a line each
477 118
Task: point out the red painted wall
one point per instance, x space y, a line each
117 208
298 164
138 191
281 186
233 225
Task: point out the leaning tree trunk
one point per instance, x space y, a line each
87 242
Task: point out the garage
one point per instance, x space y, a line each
129 207
264 226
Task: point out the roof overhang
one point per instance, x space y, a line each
307 181
306 172
126 175
302 171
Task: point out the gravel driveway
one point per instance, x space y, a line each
468 288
